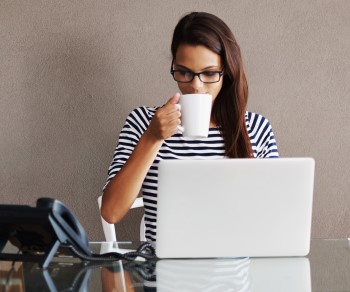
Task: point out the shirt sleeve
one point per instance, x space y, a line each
135 125
268 146
262 137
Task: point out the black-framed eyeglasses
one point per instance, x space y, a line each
186 76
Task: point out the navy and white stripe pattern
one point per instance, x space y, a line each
177 147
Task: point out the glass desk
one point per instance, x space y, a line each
327 268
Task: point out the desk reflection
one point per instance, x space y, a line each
280 274
203 275
128 276
57 277
115 278
209 275
272 274
240 274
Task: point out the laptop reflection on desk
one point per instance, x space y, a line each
253 275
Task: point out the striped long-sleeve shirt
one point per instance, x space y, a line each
177 147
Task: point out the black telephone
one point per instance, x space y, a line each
39 231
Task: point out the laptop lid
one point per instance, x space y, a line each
234 207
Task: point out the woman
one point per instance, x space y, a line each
206 59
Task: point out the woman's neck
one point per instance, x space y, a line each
212 125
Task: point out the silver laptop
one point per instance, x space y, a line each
234 208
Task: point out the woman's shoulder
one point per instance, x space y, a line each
256 121
140 118
249 116
143 112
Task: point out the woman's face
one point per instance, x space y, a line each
198 59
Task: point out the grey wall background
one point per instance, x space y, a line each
71 71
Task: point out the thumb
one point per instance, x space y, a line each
174 99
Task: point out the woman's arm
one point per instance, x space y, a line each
123 189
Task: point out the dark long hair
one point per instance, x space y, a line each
228 112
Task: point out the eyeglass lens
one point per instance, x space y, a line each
187 76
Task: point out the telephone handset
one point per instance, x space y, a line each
39 231
73 232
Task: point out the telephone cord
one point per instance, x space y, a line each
145 250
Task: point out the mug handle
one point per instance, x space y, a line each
180 128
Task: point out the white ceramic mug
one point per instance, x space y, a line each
195 115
